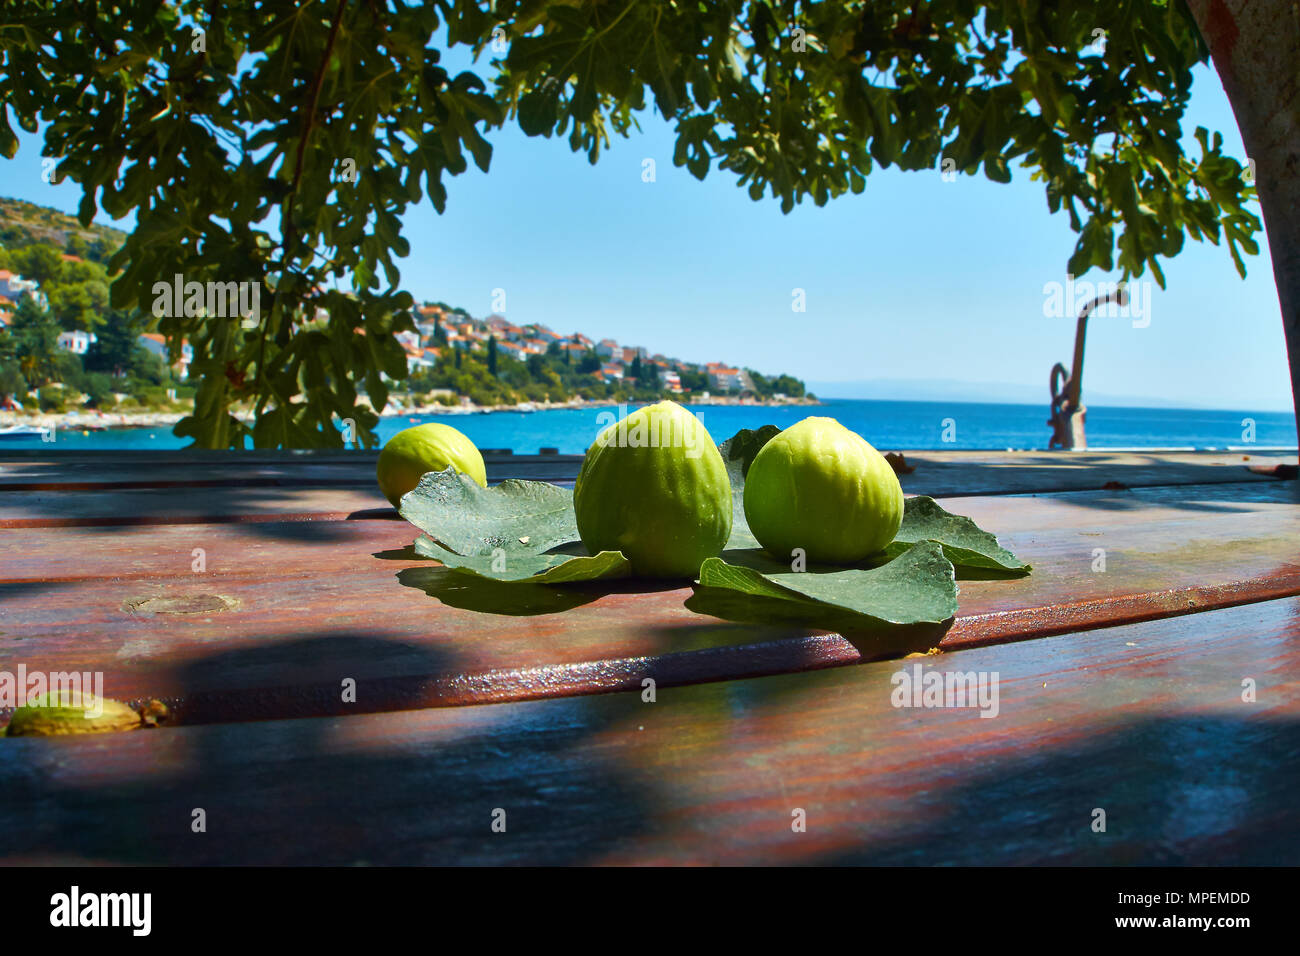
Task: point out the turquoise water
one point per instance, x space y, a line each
888 425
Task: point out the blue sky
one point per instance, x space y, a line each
916 279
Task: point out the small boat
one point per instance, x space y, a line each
23 431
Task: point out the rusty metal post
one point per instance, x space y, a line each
1068 411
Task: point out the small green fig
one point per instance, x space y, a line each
821 488
49 716
654 487
412 452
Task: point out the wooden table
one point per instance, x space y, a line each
244 592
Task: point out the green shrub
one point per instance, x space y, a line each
98 387
12 381
153 397
51 398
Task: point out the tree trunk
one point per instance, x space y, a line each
1255 45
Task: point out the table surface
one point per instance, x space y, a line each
244 591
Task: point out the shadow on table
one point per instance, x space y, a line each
1178 791
126 509
385 788
424 788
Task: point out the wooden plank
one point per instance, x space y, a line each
321 493
118 474
279 547
115 491
188 506
1145 722
341 600
992 473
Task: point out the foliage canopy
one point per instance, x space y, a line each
282 142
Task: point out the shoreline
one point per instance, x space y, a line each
89 420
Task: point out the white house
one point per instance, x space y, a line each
418 358
155 343
77 342
725 379
15 286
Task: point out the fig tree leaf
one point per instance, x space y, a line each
964 542
917 587
738 452
745 444
526 568
519 517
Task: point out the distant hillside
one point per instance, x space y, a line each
23 223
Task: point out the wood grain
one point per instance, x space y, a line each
277 546
1145 722
75 474
153 488
315 603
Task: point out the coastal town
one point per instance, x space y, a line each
439 329
68 359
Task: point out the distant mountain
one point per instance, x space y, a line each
1002 393
23 223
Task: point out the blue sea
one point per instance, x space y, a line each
887 425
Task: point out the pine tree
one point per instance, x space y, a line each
117 344
492 356
36 340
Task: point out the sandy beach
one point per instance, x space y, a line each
90 420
